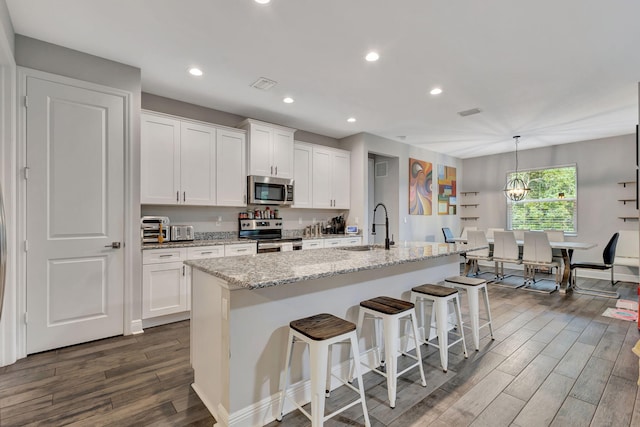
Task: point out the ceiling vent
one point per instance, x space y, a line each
264 83
469 112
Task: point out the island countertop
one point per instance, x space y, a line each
272 269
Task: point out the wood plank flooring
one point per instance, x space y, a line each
555 361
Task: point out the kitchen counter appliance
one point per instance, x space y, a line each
152 226
267 190
181 233
268 235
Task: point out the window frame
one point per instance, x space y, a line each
509 203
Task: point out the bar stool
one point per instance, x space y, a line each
439 296
473 286
390 311
320 332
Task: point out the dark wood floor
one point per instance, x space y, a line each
555 361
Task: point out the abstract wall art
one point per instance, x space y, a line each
420 194
447 202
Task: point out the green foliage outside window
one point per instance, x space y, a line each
550 205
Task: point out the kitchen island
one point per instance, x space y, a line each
242 306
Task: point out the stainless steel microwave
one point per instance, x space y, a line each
267 190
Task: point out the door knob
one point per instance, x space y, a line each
113 245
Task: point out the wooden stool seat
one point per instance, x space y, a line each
322 326
387 305
435 290
467 281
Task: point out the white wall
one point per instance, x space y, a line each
601 164
416 227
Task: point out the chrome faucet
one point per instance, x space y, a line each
387 242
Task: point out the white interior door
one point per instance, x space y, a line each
75 210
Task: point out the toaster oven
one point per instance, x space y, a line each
181 232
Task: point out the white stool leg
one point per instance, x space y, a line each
283 383
355 352
486 306
378 343
474 313
318 352
460 326
391 326
356 359
414 325
327 389
441 325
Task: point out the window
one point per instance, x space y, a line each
550 205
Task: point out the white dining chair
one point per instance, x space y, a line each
519 234
537 253
505 250
465 230
477 238
491 231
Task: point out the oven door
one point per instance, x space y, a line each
264 247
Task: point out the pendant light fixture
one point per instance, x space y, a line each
516 189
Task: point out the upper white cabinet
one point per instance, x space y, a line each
302 175
270 149
331 178
191 163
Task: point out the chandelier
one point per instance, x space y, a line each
516 189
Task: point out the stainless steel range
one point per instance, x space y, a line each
268 234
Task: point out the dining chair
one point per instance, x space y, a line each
505 249
491 231
608 255
556 236
519 234
537 253
465 230
477 238
448 235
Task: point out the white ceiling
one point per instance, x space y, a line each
551 71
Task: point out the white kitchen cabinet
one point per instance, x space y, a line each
164 282
231 168
237 249
270 149
302 175
191 163
331 178
202 252
312 244
338 242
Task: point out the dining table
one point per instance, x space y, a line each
566 249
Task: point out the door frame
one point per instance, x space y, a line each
131 326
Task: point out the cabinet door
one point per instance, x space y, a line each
160 160
312 244
322 179
231 169
341 186
240 249
333 243
164 289
197 164
260 142
282 153
302 175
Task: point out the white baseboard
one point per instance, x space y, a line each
136 327
163 320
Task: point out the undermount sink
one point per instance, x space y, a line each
360 248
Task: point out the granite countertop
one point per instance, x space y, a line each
272 269
214 242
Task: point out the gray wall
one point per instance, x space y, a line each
43 56
601 164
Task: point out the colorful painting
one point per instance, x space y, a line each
447 202
420 195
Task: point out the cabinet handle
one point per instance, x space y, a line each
276 170
183 268
166 256
271 170
177 196
241 250
184 196
206 253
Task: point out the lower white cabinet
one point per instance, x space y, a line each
338 242
238 249
312 244
164 282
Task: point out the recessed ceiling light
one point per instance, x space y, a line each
195 71
372 56
288 100
262 1
351 119
436 91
